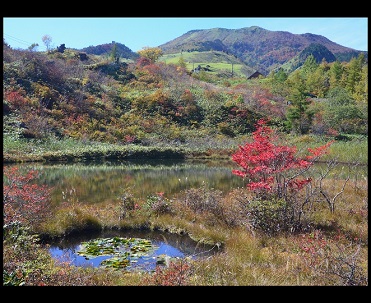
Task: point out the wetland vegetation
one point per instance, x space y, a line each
297 213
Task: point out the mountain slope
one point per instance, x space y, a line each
213 61
319 52
258 48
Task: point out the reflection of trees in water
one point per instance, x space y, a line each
101 183
106 182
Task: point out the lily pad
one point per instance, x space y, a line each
124 251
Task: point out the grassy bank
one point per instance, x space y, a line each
26 150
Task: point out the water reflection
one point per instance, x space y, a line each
167 244
107 181
102 182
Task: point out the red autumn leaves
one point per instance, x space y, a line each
269 167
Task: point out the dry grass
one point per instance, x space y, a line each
333 252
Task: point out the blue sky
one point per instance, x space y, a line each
137 32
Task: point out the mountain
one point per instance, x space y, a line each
250 49
318 51
105 49
258 48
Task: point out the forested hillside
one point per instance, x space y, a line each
261 49
94 98
107 48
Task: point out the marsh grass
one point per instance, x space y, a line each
199 144
353 151
332 250
247 257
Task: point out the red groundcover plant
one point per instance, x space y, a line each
270 168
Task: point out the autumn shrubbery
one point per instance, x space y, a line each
177 273
25 206
283 199
276 176
333 258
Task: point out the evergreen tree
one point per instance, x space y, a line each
181 62
336 74
342 112
114 55
299 117
354 72
309 66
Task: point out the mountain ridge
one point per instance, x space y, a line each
257 48
262 49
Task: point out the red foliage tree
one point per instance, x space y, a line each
267 166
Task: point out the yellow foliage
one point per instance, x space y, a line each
151 53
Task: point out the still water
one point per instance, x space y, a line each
105 182
165 245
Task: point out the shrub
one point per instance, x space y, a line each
177 273
275 174
158 204
202 200
22 200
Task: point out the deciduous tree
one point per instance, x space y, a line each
151 53
266 165
274 173
47 41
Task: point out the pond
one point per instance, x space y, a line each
146 249
106 182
